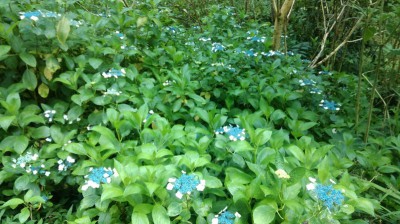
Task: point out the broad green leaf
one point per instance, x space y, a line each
323 170
237 176
160 215
4 49
108 134
21 183
20 144
262 136
29 79
139 218
29 59
296 152
76 148
95 62
174 209
43 90
13 103
110 191
63 29
52 66
263 214
24 215
13 203
365 205
212 182
5 121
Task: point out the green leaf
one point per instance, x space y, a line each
174 209
43 90
24 215
63 29
262 136
20 144
4 49
139 218
108 135
160 215
110 191
21 183
29 59
212 182
237 176
29 79
76 148
296 152
365 205
5 121
95 62
263 214
13 203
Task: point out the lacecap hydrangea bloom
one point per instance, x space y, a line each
114 73
63 165
217 47
98 176
329 196
234 133
329 105
185 184
35 170
49 114
24 159
225 217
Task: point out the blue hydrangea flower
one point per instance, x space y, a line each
315 91
185 184
172 29
38 170
329 196
325 73
330 105
63 165
34 15
307 82
119 35
151 112
112 92
204 39
272 53
24 159
49 114
234 133
114 73
256 39
225 217
98 176
250 53
217 47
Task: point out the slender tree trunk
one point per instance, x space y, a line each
281 15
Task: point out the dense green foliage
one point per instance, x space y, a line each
119 113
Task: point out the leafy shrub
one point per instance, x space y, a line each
115 116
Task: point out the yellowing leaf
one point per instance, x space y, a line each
63 29
43 90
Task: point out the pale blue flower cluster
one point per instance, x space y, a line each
307 82
35 170
63 165
35 15
329 105
234 133
98 176
185 184
217 47
49 114
23 160
225 217
330 197
114 73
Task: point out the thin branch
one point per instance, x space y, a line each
313 64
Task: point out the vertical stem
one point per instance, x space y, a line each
360 69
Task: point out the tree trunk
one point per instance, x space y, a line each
281 15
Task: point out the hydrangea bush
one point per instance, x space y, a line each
99 119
